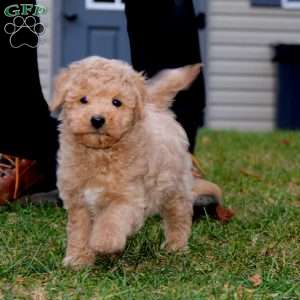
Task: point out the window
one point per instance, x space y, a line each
291 3
104 5
266 3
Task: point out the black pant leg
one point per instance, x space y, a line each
26 127
164 34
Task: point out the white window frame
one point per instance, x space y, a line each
290 5
116 5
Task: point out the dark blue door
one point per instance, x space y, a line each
93 27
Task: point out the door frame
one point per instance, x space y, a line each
56 37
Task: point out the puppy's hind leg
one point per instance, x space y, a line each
177 217
79 228
208 199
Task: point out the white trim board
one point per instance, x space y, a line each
116 5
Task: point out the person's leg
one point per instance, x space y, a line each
163 34
26 127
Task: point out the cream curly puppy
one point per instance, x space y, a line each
122 156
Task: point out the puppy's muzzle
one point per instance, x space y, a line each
97 121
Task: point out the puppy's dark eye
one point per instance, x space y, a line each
84 100
116 102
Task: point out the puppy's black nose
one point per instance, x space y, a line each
97 121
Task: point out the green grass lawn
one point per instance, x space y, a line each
260 174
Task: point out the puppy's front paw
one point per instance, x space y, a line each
106 241
174 245
79 261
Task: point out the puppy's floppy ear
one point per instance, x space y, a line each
61 85
141 96
164 86
139 109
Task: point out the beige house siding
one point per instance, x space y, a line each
45 50
241 78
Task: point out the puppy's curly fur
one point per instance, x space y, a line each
137 164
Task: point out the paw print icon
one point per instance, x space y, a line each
24 32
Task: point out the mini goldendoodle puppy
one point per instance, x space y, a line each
122 156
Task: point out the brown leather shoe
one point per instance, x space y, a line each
18 177
208 197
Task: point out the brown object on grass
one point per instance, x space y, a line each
17 177
224 214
